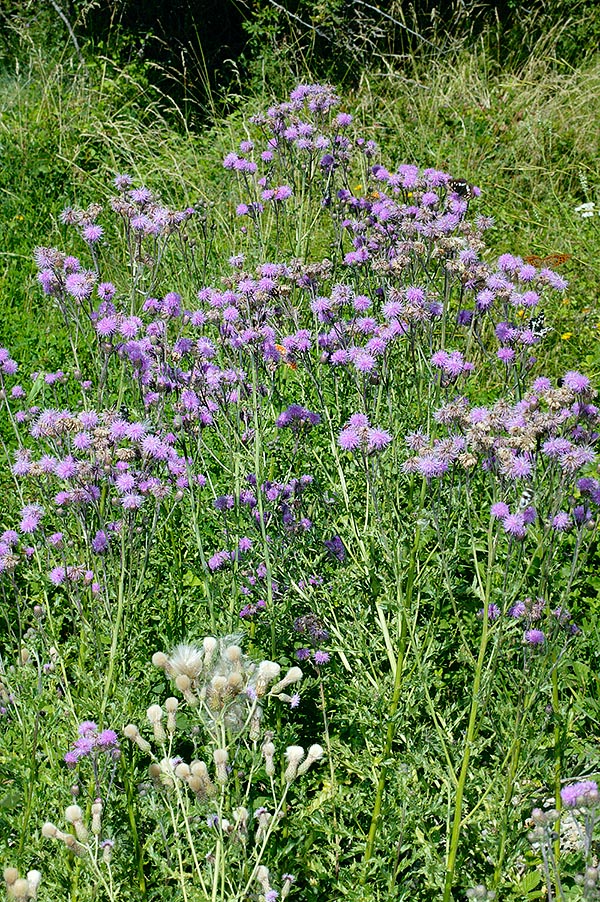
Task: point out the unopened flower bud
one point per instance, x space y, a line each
294 755
132 733
269 751
96 817
155 715
240 816
254 731
220 758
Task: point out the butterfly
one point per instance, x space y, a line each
286 357
537 324
551 260
525 499
461 187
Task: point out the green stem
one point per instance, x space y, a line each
472 727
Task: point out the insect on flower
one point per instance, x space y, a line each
286 357
461 187
526 499
537 325
552 260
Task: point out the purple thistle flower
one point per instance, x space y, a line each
534 637
92 233
561 521
514 525
580 794
321 657
493 611
576 382
336 548
107 740
87 728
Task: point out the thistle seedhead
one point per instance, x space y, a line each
294 755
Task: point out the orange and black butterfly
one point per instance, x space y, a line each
552 260
286 357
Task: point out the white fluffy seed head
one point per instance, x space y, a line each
34 878
183 682
49 831
235 682
11 874
131 732
210 644
220 756
73 814
160 660
269 670
171 705
199 769
315 753
233 653
186 659
154 714
19 889
294 753
219 683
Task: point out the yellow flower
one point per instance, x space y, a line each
566 336
521 312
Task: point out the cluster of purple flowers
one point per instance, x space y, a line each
580 795
547 439
358 434
296 418
90 743
310 626
530 612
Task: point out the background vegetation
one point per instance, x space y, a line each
508 100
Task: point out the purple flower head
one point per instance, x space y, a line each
514 525
500 510
321 657
580 795
493 611
561 521
534 637
336 548
87 728
576 382
107 740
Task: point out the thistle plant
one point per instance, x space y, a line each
334 444
226 693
